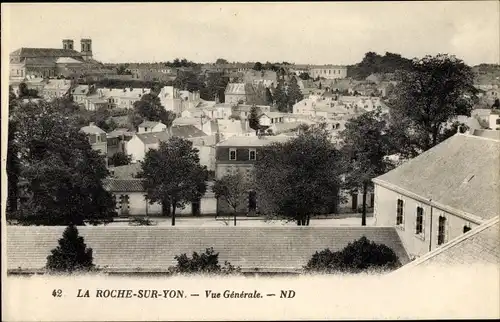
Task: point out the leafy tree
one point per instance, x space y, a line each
204 263
358 256
216 85
232 189
374 63
173 175
122 70
253 118
61 174
281 97
120 158
149 108
496 105
221 61
432 92
269 97
257 66
25 92
189 81
365 145
298 178
13 162
71 255
294 94
304 76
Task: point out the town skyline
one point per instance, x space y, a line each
170 30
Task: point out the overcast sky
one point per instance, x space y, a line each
309 33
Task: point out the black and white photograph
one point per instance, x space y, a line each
250 161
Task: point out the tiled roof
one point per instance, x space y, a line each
230 126
480 245
128 171
67 60
80 90
92 129
235 89
253 140
460 175
154 137
123 185
47 61
149 124
46 52
187 131
152 249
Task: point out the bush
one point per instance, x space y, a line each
71 255
138 221
358 256
204 263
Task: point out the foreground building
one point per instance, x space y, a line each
151 250
442 193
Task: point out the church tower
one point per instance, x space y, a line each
86 48
68 44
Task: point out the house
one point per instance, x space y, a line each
123 98
328 71
238 154
242 111
55 88
80 93
148 249
97 138
478 246
203 123
240 93
269 118
494 119
94 102
151 126
117 141
232 127
129 194
141 143
441 193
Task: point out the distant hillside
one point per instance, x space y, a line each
375 63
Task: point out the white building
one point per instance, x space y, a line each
328 71
151 126
441 193
122 98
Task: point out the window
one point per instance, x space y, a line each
420 220
252 154
466 228
399 212
232 154
498 121
441 230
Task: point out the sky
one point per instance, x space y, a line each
303 33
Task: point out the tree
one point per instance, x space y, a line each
281 97
173 175
253 119
221 61
294 94
122 70
358 256
496 105
120 158
432 92
304 76
298 178
232 189
257 66
149 108
61 174
365 145
71 255
269 97
204 263
25 92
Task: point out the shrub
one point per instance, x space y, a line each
204 263
71 255
358 256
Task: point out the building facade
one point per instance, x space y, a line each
328 71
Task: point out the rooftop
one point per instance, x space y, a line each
46 52
152 249
478 246
92 129
253 140
458 174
